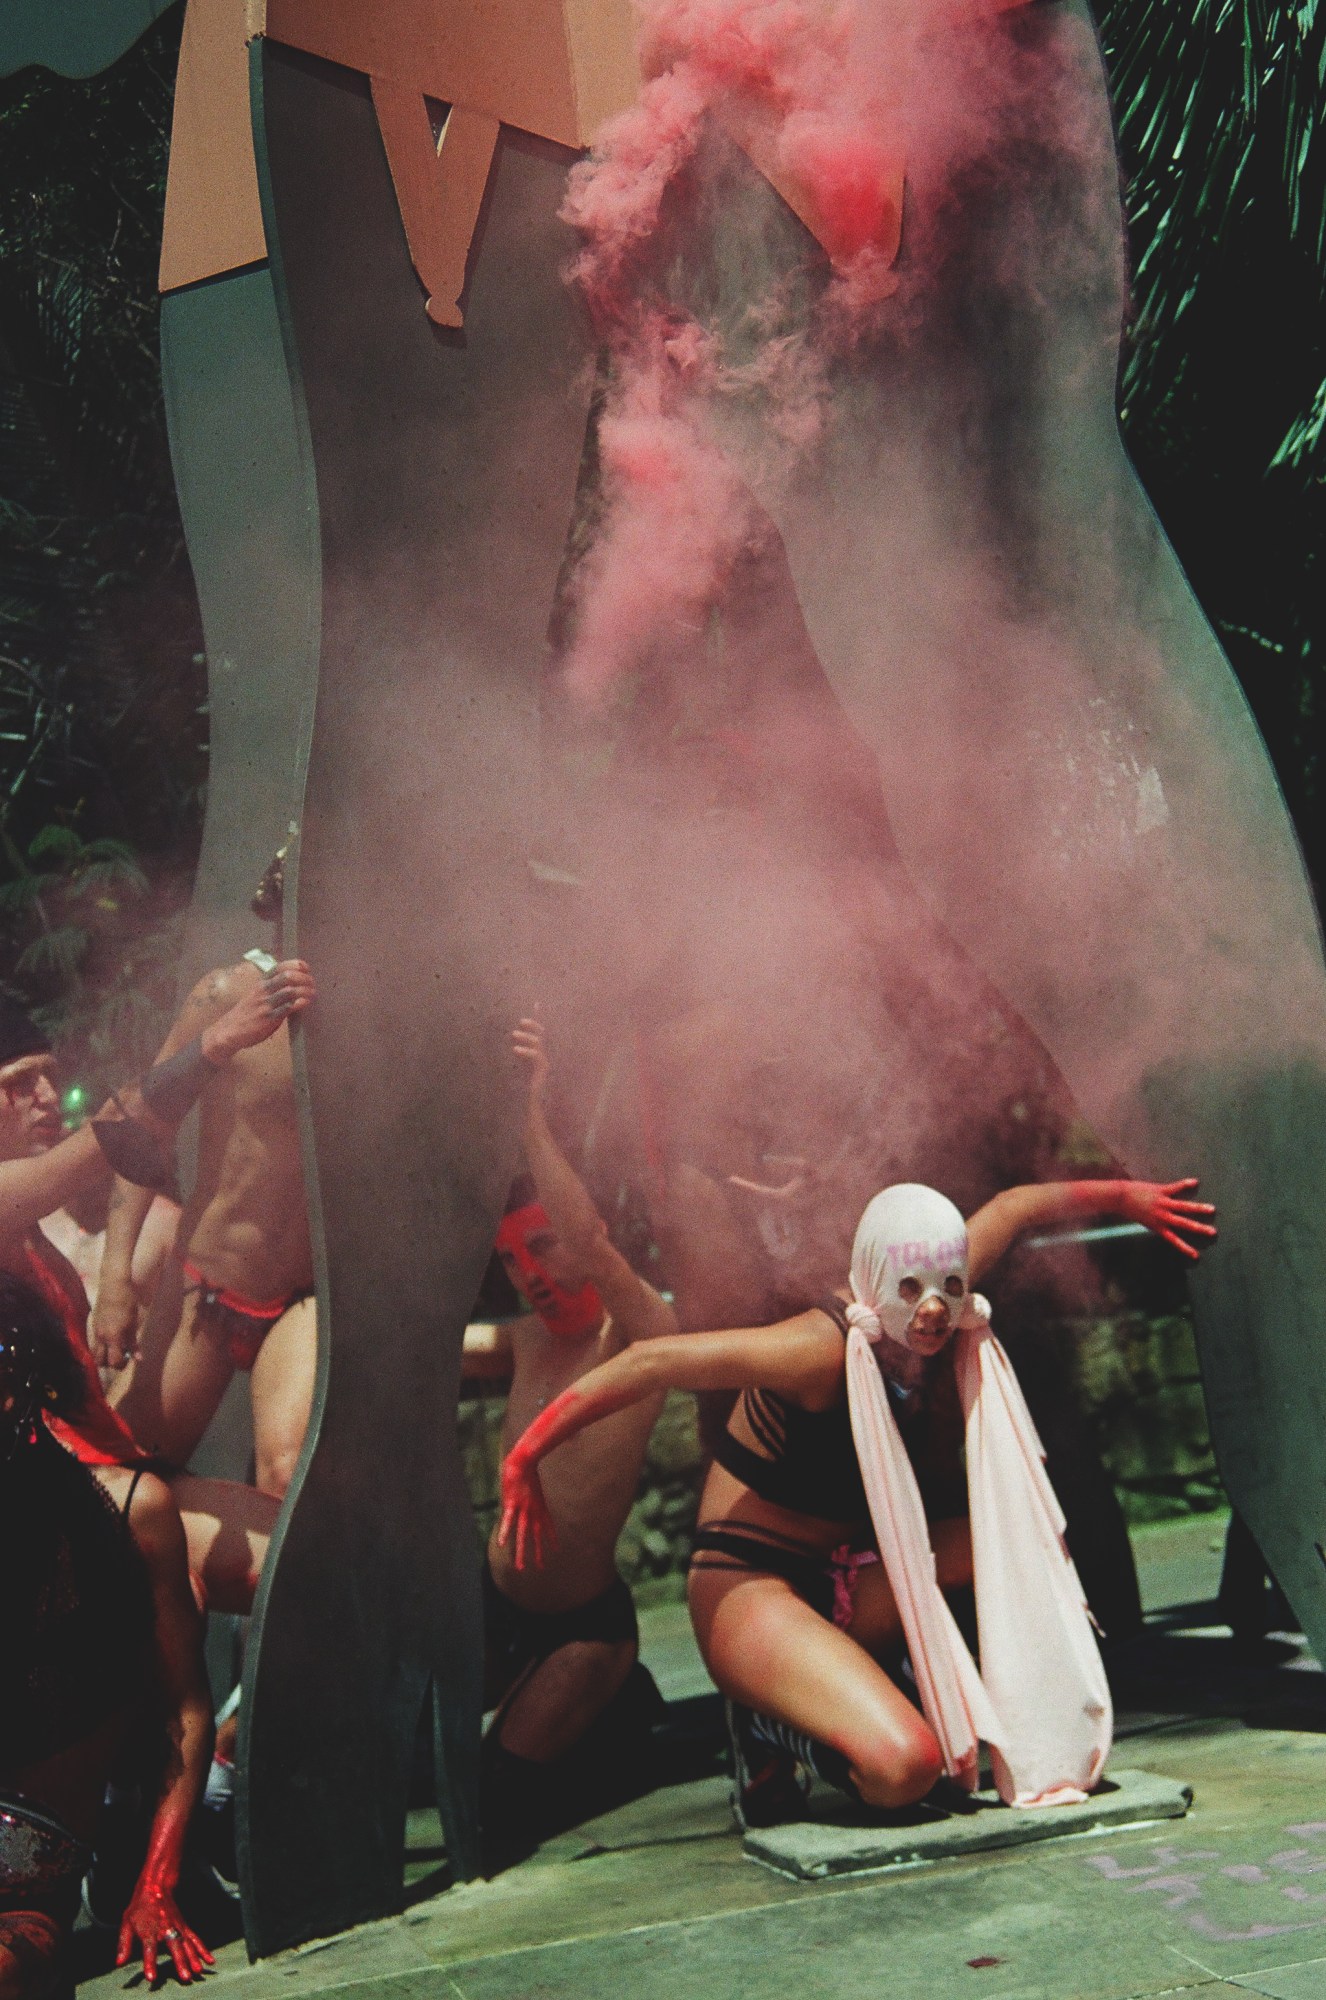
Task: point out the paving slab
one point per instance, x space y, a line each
853 1844
1287 1982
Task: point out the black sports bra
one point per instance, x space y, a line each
808 1461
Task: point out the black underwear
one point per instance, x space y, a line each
515 1638
810 1575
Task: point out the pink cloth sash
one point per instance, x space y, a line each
1040 1699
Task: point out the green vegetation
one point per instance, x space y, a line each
1221 107
102 690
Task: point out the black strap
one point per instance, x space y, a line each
132 1152
831 1304
171 1088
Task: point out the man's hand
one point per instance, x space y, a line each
286 991
113 1327
1162 1210
528 1043
525 1509
153 1918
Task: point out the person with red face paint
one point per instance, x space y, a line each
561 1638
838 1512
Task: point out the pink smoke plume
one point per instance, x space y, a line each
815 92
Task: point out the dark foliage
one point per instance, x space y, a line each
102 689
1220 105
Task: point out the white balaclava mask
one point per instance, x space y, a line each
908 1231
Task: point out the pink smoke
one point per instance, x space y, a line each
811 91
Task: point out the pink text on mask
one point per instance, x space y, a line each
927 1256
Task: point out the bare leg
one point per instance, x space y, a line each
549 1711
228 1527
876 1623
179 1378
764 1646
282 1390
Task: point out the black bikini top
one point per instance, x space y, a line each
807 1461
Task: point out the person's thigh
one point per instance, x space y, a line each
554 1704
179 1378
282 1390
228 1528
765 1647
876 1622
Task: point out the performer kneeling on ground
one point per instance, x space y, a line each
102 1654
561 1642
852 1417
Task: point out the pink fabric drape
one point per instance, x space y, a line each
1040 1699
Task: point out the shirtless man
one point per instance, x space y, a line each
227 1525
79 1231
561 1639
236 1292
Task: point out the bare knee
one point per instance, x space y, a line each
899 1771
275 1468
564 1695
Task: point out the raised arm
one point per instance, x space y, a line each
1162 1207
32 1188
801 1358
638 1313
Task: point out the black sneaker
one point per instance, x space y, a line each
769 1786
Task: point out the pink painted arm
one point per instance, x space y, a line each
1163 1207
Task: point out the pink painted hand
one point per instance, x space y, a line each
153 1917
525 1510
1162 1209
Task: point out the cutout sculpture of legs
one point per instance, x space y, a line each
445 466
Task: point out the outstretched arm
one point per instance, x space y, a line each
1162 1207
801 1358
638 1313
30 1189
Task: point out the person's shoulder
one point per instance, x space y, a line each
218 990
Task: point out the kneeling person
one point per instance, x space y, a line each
561 1638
